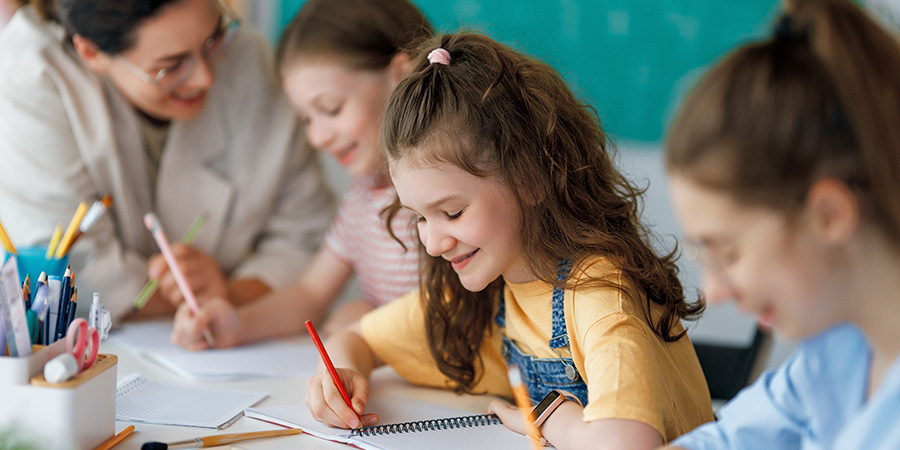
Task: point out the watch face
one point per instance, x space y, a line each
544 404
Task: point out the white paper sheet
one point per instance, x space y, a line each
270 359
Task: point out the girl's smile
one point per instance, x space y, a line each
470 221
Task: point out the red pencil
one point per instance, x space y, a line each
327 361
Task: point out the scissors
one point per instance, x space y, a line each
77 344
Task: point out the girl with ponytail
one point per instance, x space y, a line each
531 254
785 168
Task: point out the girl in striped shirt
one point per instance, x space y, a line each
339 61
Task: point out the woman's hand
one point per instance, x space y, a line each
215 315
201 272
327 405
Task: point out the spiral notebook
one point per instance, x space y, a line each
141 400
407 424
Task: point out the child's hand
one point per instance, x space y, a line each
509 414
215 315
327 406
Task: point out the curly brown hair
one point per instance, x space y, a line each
497 113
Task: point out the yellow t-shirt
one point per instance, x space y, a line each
631 373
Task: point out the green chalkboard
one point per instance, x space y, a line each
630 59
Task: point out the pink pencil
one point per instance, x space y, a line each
157 231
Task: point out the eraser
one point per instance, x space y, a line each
60 369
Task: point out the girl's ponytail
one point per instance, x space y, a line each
863 60
821 99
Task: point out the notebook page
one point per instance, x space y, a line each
141 400
390 409
271 359
488 437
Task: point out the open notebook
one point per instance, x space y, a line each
270 359
146 401
408 424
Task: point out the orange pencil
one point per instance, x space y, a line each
521 395
113 441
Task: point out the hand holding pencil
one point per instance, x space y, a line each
201 271
217 316
162 241
329 393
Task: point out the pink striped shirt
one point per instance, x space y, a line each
358 236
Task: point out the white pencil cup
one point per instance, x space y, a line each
76 414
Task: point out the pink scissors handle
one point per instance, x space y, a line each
77 344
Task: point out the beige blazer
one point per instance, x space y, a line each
68 136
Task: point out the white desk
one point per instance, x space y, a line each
281 391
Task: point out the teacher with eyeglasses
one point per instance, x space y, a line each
168 106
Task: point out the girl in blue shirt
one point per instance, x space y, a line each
785 167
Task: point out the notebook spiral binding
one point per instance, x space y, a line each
127 385
428 425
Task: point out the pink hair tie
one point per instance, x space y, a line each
439 56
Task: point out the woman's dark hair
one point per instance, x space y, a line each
109 24
365 34
497 113
820 99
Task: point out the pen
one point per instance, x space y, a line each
54 292
113 441
40 300
66 241
54 241
90 217
153 284
62 313
156 230
73 304
39 307
521 395
7 244
327 361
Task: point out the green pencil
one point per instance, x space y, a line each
153 284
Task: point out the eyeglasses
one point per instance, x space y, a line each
169 78
717 262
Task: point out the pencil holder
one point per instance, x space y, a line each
76 414
32 260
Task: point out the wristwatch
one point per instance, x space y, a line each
547 406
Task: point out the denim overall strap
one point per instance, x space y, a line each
544 374
500 318
559 336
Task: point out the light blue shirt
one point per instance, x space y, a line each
815 400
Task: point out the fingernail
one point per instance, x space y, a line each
354 423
